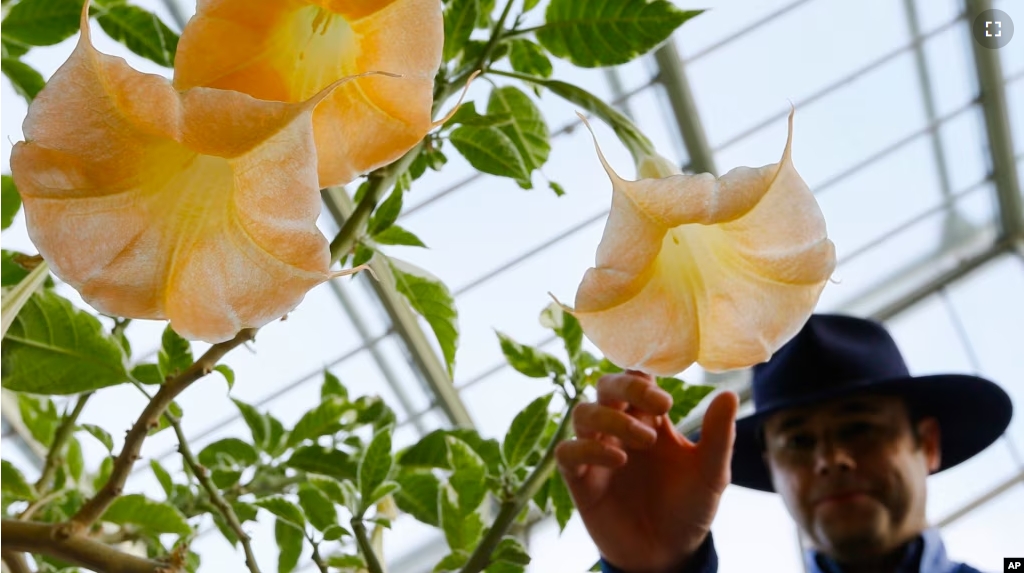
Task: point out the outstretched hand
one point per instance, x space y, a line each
646 494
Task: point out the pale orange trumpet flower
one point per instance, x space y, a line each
197 206
289 50
691 268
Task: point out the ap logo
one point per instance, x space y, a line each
1015 564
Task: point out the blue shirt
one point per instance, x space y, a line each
926 554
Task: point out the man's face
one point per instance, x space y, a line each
852 473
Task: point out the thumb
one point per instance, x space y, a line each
717 435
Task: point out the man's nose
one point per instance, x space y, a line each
832 457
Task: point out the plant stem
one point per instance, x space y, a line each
318 559
496 34
45 538
372 561
38 504
381 180
481 556
15 561
94 508
55 456
225 509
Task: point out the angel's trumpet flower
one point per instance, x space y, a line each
691 268
198 206
289 50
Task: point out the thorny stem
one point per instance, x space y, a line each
225 509
55 456
481 556
359 530
95 507
381 181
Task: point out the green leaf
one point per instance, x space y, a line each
174 410
459 19
375 465
561 499
15 298
467 115
510 550
14 484
283 509
175 354
528 360
346 561
452 562
103 474
277 437
336 532
528 131
75 460
362 255
624 128
462 531
607 33
433 301
13 273
529 58
100 434
228 453
567 327
12 49
10 199
557 188
430 452
386 213
530 5
42 22
418 496
525 432
258 424
150 516
490 150
318 508
684 396
319 421
141 31
324 461
351 496
40 417
504 567
162 476
383 490
542 496
227 373
147 374
395 235
468 476
54 348
332 387
289 542
330 488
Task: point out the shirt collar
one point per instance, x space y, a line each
925 554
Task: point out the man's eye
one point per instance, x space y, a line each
799 442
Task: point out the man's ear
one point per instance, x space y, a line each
930 441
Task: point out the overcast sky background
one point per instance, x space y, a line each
488 222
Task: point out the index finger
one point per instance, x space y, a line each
635 390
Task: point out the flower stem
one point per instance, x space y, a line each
481 556
380 180
372 561
222 506
55 456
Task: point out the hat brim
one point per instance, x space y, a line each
972 413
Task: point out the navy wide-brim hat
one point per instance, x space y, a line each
837 356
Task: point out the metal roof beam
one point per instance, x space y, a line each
407 325
992 89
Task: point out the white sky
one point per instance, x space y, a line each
483 225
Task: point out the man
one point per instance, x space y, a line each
840 430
